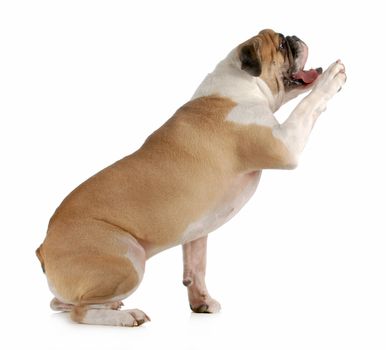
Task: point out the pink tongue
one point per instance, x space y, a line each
307 76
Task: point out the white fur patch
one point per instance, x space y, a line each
240 191
135 253
253 97
252 114
125 318
109 318
294 132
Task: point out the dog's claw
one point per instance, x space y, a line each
203 308
210 306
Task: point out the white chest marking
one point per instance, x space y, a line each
238 194
252 114
252 95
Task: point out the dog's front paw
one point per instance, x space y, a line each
207 305
331 80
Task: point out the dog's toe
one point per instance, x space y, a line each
139 316
210 306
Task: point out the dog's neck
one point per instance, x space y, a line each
229 80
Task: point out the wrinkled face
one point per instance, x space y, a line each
279 60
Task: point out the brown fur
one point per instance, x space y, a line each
189 177
179 174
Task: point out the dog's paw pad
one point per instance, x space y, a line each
210 306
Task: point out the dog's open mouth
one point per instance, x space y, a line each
304 77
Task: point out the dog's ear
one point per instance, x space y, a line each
250 61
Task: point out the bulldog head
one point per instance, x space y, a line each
278 60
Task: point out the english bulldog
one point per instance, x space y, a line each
190 176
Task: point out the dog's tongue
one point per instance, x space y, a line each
307 76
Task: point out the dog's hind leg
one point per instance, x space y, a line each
107 280
91 285
94 314
57 305
102 314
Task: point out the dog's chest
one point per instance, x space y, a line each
235 197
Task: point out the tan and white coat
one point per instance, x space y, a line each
190 176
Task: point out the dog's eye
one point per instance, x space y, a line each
282 45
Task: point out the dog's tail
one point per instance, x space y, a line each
39 254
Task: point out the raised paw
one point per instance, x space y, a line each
331 80
207 305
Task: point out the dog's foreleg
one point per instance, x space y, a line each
194 255
295 130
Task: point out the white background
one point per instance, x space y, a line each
303 266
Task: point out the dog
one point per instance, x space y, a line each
190 176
